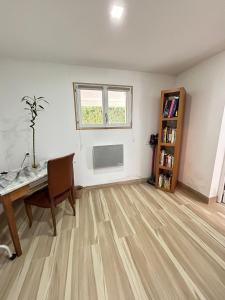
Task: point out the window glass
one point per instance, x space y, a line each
91 106
117 111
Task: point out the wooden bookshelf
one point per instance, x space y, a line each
173 122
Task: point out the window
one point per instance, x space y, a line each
102 106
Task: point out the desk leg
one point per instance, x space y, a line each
12 225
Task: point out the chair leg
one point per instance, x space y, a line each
71 201
29 213
53 220
73 193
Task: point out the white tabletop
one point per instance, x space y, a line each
19 178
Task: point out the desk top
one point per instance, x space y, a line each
19 178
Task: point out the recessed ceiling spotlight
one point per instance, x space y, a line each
117 12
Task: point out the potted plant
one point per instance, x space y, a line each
34 106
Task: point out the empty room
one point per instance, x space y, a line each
112 150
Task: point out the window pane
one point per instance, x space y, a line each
117 107
91 106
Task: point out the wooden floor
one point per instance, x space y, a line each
126 242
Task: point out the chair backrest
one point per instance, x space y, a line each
60 175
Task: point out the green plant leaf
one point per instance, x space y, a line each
24 98
45 100
28 103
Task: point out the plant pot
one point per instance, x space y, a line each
78 191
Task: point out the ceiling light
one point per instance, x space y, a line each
117 12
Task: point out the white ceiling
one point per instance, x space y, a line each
165 36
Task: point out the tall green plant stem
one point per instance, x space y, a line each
34 154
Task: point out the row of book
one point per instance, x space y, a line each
169 135
166 159
165 181
171 107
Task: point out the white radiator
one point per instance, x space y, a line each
107 156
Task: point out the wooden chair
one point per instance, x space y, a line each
60 187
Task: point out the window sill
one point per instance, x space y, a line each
103 128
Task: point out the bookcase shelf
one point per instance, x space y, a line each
168 144
170 119
170 135
165 168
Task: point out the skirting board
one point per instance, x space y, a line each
183 186
133 181
197 194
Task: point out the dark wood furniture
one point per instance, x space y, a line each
60 187
174 122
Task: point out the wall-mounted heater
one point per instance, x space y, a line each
107 156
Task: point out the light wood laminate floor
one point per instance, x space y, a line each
126 242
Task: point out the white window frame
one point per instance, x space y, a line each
105 88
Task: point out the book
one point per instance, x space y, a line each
175 107
166 159
165 181
173 136
165 105
167 108
168 135
171 107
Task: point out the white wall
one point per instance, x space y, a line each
202 156
56 134
218 165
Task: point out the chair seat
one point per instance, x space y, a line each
39 198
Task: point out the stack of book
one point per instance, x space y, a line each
166 159
165 181
169 135
171 107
